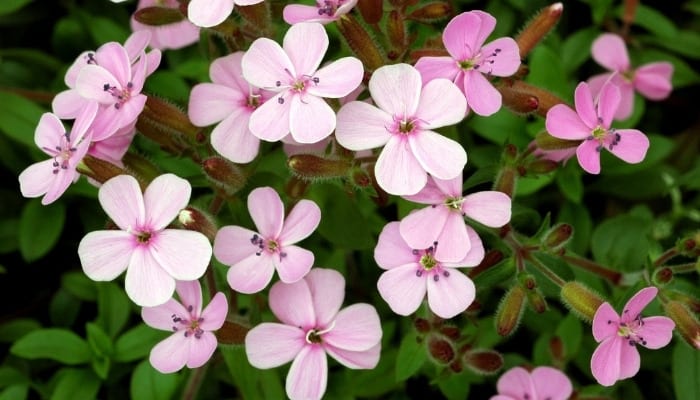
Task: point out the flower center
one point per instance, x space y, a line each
297 85
190 324
264 245
480 63
61 154
454 203
404 125
122 95
143 236
605 137
629 330
429 264
314 335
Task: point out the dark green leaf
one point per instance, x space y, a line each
547 72
10 376
621 242
169 85
500 127
12 330
19 118
64 308
137 343
454 387
569 182
410 358
8 235
75 384
79 285
113 308
56 344
576 48
105 30
570 331
102 349
342 222
15 392
39 228
149 384
686 369
245 377
685 43
9 6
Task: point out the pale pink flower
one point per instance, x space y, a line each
402 122
113 148
443 221
471 62
228 102
617 357
652 80
543 383
192 342
170 36
591 124
208 13
312 327
50 178
254 256
152 255
412 273
325 11
292 72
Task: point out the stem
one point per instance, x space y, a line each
216 204
194 382
546 271
590 266
667 255
683 268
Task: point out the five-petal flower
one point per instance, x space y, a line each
543 383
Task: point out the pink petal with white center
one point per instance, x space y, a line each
270 345
605 362
270 121
301 222
185 255
308 375
138 73
171 354
422 228
227 71
482 97
362 126
636 304
396 89
114 58
391 250
122 200
629 360
437 67
450 295
232 139
516 383
338 78
210 103
440 156
147 284
161 317
656 332
251 274
292 304
190 294
454 243
432 193
68 104
163 199
609 51
311 119
402 289
233 243
564 123
91 82
327 289
104 255
441 104
305 44
588 156
491 208
48 132
296 13
550 383
267 211
356 328
632 147
214 314
583 99
608 102
462 34
201 349
171 36
605 322
398 171
208 13
36 179
265 63
367 359
653 80
295 263
506 59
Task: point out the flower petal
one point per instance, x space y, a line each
251 274
210 103
232 139
605 322
357 328
636 304
327 289
190 294
292 304
208 13
48 132
588 156
609 51
564 123
422 228
516 383
91 82
214 313
267 211
301 222
632 147
164 198
396 89
653 80
294 264
440 156
183 254
550 383
270 121
37 178
113 57
296 13
270 345
450 295
338 78
233 243
308 375
462 34
657 332
608 102
161 317
104 255
434 192
265 64
201 350
362 126
474 255
583 99
68 104
629 360
605 362
122 200
305 44
397 170
437 67
311 119
505 54
441 104
491 208
482 97
367 359
227 71
402 289
147 284
391 250
454 243
170 354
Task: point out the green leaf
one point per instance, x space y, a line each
8 235
653 21
39 228
149 384
686 369
15 392
10 376
495 275
64 308
56 344
105 30
113 308
570 331
136 343
454 387
501 127
169 85
12 330
569 182
621 242
102 349
79 285
245 377
19 118
410 358
547 71
576 48
75 384
685 43
10 6
342 223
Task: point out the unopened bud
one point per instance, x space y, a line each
456 366
440 349
686 323
527 280
360 178
662 276
537 301
510 154
451 332
545 141
224 174
491 258
581 299
197 220
141 166
542 166
362 44
505 182
557 237
296 188
98 169
545 98
396 29
371 10
422 325
687 247
168 117
519 102
538 28
157 16
313 167
431 12
693 303
484 362
510 311
556 348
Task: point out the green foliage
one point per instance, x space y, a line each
410 358
35 243
56 344
685 368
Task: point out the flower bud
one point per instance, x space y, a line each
313 167
156 16
422 325
396 30
510 311
557 237
440 349
687 247
483 362
536 301
690 301
360 41
371 10
662 276
505 182
545 98
141 166
168 118
527 281
100 170
431 12
545 141
224 174
451 332
517 101
686 323
542 166
581 299
194 219
538 28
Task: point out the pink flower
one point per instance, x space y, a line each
470 60
50 178
591 124
153 256
411 273
208 13
291 72
228 101
254 256
192 342
324 11
652 80
543 383
312 327
170 36
402 122
444 221
113 148
617 357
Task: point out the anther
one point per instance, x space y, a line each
280 100
419 273
436 277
